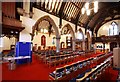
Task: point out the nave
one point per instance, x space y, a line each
59 40
37 70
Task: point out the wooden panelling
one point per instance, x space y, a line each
11 22
8 9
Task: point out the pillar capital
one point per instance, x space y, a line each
60 26
58 37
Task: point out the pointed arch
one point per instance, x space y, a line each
50 20
88 35
80 31
70 28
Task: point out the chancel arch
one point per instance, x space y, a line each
51 26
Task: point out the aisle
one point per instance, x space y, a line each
33 71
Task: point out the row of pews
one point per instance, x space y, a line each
95 73
59 58
73 70
69 71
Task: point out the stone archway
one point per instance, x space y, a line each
51 22
80 31
72 34
70 28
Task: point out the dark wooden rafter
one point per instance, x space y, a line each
74 12
50 6
61 13
107 12
79 6
71 11
105 21
107 15
87 23
64 10
118 18
54 6
68 10
79 13
58 7
100 20
72 8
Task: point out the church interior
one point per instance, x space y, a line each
60 40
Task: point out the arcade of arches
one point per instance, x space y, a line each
63 43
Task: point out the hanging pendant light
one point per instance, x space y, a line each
96 6
87 6
83 10
88 12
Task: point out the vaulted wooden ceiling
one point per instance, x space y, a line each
71 11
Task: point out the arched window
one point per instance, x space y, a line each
113 29
79 35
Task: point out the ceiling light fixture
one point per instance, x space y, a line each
88 10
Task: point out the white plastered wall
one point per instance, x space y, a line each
25 34
104 28
6 42
37 39
28 23
104 31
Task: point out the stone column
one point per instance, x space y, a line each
103 47
26 7
83 44
73 44
58 44
26 22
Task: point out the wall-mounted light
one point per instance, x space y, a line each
12 32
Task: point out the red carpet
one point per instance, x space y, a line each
33 71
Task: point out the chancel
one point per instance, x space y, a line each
59 40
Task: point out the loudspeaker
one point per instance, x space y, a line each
116 58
